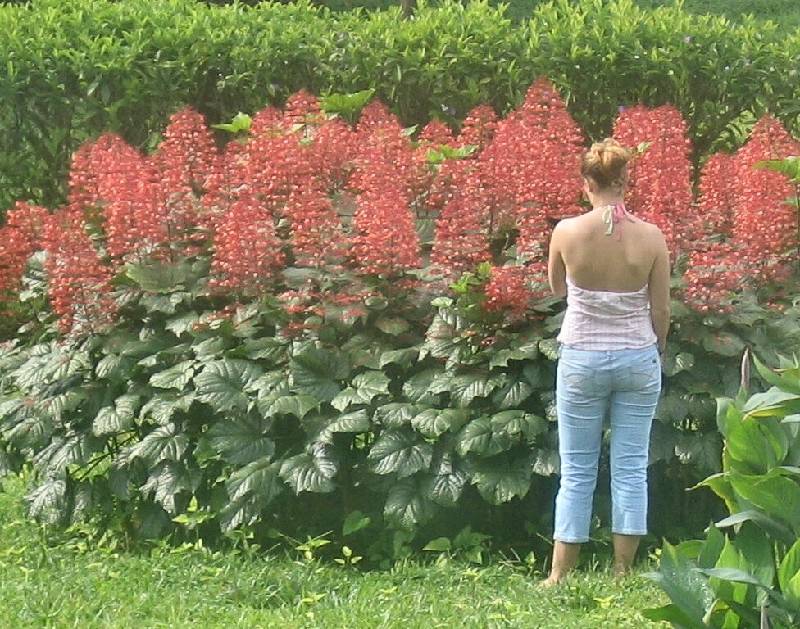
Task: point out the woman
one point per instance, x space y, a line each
614 270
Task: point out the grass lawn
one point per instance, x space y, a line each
59 581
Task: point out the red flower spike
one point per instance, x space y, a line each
660 188
78 282
247 253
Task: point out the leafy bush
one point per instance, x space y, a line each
73 70
724 580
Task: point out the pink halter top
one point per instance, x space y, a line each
607 320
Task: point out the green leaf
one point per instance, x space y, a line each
312 471
182 323
500 482
176 377
433 422
62 452
513 394
399 451
467 386
317 371
250 488
47 501
777 496
445 482
406 506
242 440
222 384
162 406
354 522
117 418
240 122
395 414
479 437
348 104
685 586
165 442
789 568
392 325
166 481
402 357
416 387
371 384
546 462
297 405
723 343
549 347
322 427
440 544
518 423
160 277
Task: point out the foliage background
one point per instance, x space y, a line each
73 70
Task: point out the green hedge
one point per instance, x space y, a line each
72 70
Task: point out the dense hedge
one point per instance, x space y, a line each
72 70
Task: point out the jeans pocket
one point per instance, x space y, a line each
643 374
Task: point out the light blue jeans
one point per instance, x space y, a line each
626 384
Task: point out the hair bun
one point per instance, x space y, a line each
605 163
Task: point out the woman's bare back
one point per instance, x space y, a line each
620 262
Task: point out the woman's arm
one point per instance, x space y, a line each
556 271
659 292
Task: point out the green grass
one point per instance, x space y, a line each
55 580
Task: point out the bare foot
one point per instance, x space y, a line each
550 581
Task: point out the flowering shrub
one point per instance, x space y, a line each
323 307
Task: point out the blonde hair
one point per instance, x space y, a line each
606 163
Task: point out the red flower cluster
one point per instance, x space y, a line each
660 189
247 252
717 199
507 290
749 206
534 157
385 241
284 193
765 225
78 282
19 238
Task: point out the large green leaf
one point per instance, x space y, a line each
47 502
518 423
61 452
162 406
160 277
241 440
395 414
176 377
250 488
513 394
723 343
317 372
117 418
371 384
445 482
321 427
479 436
399 451
775 494
686 587
402 357
467 386
296 405
223 384
499 482
165 442
168 479
406 505
312 471
417 386
789 569
433 422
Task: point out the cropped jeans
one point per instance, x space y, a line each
626 384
